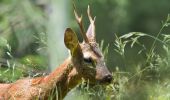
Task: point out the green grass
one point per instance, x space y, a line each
9 74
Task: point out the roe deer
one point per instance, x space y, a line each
86 61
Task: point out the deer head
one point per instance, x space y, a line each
87 56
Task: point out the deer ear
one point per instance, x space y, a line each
70 39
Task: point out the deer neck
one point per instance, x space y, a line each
64 78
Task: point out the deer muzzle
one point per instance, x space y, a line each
103 75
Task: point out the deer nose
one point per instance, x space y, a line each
108 78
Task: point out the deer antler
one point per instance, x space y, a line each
91 30
80 23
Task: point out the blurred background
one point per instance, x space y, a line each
31 33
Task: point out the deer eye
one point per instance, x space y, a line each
88 60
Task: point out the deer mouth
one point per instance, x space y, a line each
106 79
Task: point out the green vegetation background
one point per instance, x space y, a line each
23 47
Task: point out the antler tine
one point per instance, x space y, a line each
91 30
89 15
80 23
